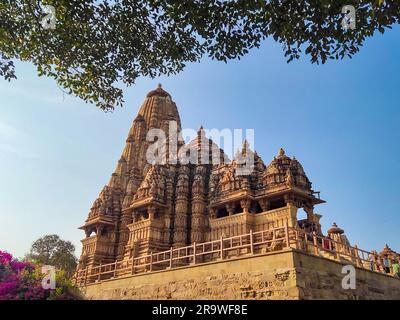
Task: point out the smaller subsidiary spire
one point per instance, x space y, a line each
244 152
201 133
335 229
388 252
246 148
246 144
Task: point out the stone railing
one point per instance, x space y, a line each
276 218
253 243
139 229
89 245
242 223
229 226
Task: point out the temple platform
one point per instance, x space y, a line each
287 274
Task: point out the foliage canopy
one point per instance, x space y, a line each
51 250
97 45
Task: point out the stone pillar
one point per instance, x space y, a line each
180 222
124 234
310 212
152 212
231 208
245 204
169 213
199 206
288 199
181 207
213 213
99 229
292 217
198 221
134 217
129 217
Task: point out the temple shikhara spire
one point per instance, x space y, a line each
148 211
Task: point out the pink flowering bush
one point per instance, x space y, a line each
21 280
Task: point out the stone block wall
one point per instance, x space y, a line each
320 278
287 274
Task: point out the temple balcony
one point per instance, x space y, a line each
147 232
242 223
89 245
232 225
141 229
99 248
276 218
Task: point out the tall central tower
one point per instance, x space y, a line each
106 226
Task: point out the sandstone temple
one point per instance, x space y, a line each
201 231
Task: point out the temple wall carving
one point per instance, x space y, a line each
287 275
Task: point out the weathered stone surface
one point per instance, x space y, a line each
267 277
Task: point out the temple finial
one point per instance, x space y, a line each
201 131
159 91
281 152
245 146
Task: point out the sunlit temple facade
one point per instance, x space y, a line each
148 208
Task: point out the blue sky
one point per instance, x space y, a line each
340 120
